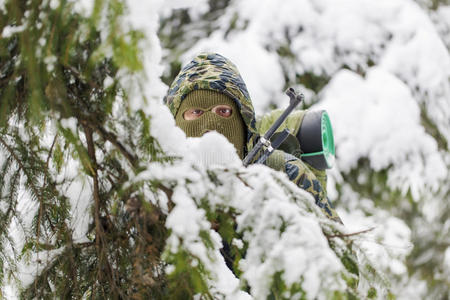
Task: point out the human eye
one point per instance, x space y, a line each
192 114
223 111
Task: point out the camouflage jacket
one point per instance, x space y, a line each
212 71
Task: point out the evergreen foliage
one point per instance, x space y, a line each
90 201
62 111
69 138
426 270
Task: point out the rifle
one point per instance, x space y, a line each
294 100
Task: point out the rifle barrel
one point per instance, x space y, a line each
294 100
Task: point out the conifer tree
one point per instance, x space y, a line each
425 214
59 90
83 208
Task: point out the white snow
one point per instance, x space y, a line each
375 108
263 208
253 64
376 115
379 119
70 123
213 149
447 260
144 16
171 138
8 30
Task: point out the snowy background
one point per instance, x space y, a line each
382 71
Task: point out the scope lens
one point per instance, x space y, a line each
327 139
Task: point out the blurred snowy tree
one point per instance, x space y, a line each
101 196
382 71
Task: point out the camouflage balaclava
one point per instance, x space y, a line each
211 72
232 127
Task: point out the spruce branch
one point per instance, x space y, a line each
41 205
112 138
243 181
83 245
20 164
35 190
341 235
99 229
51 151
169 193
80 77
14 183
97 201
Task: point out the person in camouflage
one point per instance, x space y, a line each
204 96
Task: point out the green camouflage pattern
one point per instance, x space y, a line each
212 71
291 145
304 177
292 122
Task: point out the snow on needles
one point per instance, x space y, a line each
375 114
411 75
279 222
379 119
144 16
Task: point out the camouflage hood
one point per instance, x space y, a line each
212 71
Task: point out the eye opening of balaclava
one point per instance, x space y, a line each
233 127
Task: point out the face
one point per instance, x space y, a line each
222 110
203 111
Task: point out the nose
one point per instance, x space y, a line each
209 121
